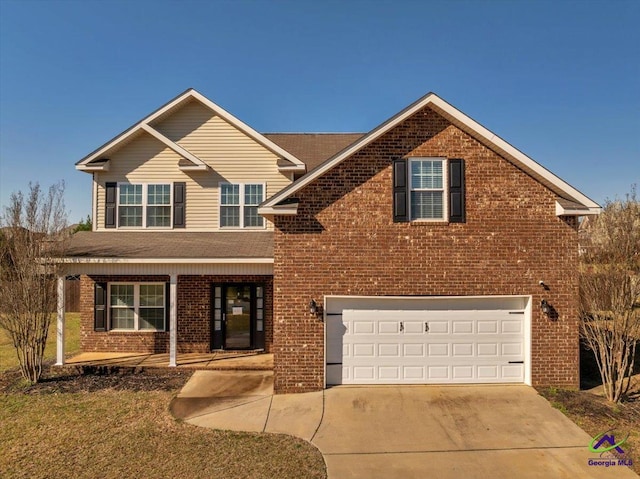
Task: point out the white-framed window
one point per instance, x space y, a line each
239 205
428 184
137 306
144 205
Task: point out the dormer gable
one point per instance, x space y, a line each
156 123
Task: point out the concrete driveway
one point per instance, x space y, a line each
404 431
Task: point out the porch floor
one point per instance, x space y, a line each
224 360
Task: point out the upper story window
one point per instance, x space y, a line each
144 205
427 182
239 205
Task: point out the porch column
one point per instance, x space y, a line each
173 320
60 323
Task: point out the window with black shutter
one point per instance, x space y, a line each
400 191
100 307
110 205
456 191
179 204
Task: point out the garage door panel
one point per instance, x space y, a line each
487 327
438 349
364 350
513 371
389 372
487 349
388 327
488 372
512 349
463 372
413 350
414 327
385 350
365 373
511 326
381 346
438 327
413 373
438 372
462 327
363 327
462 349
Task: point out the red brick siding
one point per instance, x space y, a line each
120 341
194 303
343 241
194 315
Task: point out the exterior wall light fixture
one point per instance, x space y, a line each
313 307
545 307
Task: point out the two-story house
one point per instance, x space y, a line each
428 250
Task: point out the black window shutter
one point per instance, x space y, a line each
400 191
100 307
456 191
179 204
110 205
167 306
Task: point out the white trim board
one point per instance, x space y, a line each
89 260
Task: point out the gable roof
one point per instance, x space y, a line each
94 161
274 205
313 148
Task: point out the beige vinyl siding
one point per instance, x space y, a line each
231 155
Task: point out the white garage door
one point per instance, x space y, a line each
426 340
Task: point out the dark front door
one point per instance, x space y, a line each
237 316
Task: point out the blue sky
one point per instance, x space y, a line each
560 80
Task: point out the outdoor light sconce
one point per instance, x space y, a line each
313 307
545 307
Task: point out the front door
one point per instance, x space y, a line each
237 316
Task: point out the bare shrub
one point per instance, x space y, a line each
32 238
610 292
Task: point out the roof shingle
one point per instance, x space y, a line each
313 148
171 244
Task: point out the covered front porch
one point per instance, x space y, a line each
217 296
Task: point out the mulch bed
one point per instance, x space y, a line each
77 379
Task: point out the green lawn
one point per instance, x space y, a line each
115 433
9 359
118 434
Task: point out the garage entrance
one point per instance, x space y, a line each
427 340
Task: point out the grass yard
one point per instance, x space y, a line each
9 359
117 434
118 426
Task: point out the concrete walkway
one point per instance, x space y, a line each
405 431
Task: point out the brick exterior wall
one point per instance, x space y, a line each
343 242
194 309
194 315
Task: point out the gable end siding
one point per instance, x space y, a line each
231 155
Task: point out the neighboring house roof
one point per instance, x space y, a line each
95 161
169 246
313 148
581 204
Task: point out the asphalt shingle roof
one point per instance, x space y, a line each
313 148
170 244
